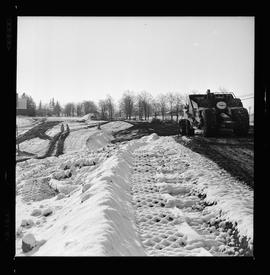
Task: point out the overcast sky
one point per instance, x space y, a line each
85 58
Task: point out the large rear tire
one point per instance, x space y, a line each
209 122
241 118
185 128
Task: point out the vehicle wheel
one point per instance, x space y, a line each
209 122
191 131
185 127
241 117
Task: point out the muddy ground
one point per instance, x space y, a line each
235 155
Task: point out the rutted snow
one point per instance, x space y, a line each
98 140
233 198
23 121
92 139
91 212
35 146
98 221
54 130
77 140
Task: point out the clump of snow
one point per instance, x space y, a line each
27 223
85 117
28 242
61 187
36 212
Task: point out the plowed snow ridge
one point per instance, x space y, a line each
141 197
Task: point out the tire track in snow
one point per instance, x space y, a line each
162 227
169 213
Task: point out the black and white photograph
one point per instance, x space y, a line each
134 136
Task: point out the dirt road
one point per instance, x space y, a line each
235 155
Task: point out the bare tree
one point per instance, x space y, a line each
89 107
127 104
145 99
103 109
162 99
139 106
57 109
79 109
69 109
110 106
179 105
171 101
155 107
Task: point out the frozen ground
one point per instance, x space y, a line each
150 196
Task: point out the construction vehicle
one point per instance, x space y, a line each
212 112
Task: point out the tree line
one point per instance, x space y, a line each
142 106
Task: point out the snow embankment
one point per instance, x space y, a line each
77 140
93 139
116 126
98 140
95 219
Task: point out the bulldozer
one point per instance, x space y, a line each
213 112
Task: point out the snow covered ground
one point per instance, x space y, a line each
24 123
92 138
150 196
35 146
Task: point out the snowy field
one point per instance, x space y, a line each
38 146
23 121
24 124
146 197
35 146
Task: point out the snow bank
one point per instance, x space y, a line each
98 140
100 220
96 220
85 117
115 126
